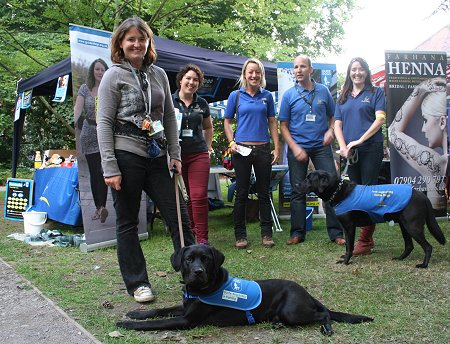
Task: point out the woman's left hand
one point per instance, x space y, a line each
353 144
177 165
275 156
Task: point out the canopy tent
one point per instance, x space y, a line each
224 69
171 56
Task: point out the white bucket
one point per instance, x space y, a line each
33 222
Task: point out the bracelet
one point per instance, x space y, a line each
231 143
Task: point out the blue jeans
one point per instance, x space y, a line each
366 170
260 159
322 158
152 176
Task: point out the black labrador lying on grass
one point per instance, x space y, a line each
208 302
411 209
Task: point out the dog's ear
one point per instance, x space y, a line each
218 257
323 182
176 258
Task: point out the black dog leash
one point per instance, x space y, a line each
352 158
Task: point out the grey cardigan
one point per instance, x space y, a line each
119 98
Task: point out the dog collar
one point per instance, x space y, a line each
336 191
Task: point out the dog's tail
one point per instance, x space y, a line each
433 225
348 318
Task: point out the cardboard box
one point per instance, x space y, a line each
66 153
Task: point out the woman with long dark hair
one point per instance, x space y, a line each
360 113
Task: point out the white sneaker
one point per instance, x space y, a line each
143 294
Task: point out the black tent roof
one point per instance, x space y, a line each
171 56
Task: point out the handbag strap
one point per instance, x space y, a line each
237 103
236 110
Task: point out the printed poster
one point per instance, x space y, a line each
417 122
61 89
26 99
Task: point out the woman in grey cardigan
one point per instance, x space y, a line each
136 127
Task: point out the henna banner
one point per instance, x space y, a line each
417 122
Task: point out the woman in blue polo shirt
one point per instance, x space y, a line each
255 116
360 113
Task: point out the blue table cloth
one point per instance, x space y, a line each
56 193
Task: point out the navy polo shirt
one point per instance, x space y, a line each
307 131
358 113
252 116
192 119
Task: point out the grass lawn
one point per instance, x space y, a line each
409 305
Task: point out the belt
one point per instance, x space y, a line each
264 145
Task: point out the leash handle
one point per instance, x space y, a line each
177 201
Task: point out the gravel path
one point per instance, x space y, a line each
27 316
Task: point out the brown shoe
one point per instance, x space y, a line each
267 241
241 243
295 240
340 241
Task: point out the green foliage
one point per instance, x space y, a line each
34 35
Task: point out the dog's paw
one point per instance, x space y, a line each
422 266
340 261
326 330
138 314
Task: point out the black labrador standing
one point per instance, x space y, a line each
281 301
412 217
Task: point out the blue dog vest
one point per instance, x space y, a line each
376 200
235 293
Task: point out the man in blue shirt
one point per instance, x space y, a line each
306 121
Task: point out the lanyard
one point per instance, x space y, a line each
148 104
186 111
302 97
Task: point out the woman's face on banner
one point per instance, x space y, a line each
434 118
99 70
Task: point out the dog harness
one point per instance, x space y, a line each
376 200
235 293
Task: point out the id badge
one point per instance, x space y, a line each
157 127
310 117
187 133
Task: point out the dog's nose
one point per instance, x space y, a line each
197 270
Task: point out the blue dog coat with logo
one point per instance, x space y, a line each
235 293
376 200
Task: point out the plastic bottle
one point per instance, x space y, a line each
37 160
